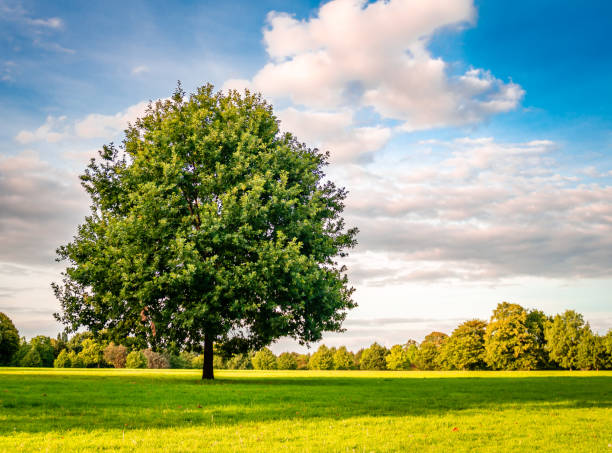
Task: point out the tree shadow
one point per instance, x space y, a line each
34 404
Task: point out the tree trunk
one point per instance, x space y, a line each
207 369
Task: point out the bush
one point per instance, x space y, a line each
9 339
155 359
218 362
62 360
198 362
286 361
116 355
136 359
181 361
264 359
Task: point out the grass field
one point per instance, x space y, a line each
172 410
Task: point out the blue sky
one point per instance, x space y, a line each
475 138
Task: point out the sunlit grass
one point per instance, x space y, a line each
172 410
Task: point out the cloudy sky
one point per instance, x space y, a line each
475 138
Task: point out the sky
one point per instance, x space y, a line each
475 139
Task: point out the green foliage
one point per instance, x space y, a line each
563 335
264 359
75 360
343 359
136 359
398 358
302 361
31 358
509 343
92 354
287 361
116 355
591 353
208 225
75 343
427 357
323 359
182 360
44 347
465 348
373 358
240 362
9 340
219 363
62 360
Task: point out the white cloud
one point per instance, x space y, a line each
354 54
95 125
142 69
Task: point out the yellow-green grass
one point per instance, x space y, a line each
282 411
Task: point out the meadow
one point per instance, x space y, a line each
59 410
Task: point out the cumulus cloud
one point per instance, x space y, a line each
484 211
95 125
354 55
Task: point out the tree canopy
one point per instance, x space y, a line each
9 339
208 225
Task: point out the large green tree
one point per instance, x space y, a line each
428 355
563 335
207 226
465 348
9 339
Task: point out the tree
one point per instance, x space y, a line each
62 360
465 349
240 362
563 335
264 359
208 226
44 347
9 339
343 359
509 344
31 358
302 361
92 354
287 361
591 353
398 358
373 358
323 359
429 350
116 355
136 359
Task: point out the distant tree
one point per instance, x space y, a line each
509 343
240 362
287 361
44 348
156 360
75 343
264 359
219 362
31 358
537 321
92 354
563 335
182 360
75 360
62 360
357 357
9 340
607 341
343 359
302 361
197 362
208 225
428 354
398 358
591 353
465 348
323 359
373 358
116 355
59 343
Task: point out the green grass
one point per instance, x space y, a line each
172 410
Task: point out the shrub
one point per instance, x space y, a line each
116 355
62 360
136 359
155 359
198 362
286 361
264 359
218 362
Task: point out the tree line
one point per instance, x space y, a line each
514 338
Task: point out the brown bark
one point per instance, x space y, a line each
207 369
